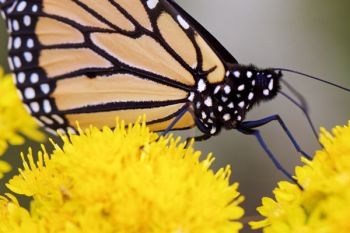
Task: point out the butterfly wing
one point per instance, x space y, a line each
90 61
215 45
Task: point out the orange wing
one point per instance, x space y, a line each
91 60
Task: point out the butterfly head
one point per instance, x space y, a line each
267 83
254 83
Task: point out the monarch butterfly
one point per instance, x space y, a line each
90 61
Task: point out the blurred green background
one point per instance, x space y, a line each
310 36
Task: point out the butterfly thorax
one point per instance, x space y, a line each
225 104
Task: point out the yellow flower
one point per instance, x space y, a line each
4 168
122 180
14 119
324 203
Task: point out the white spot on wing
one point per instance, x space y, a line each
45 88
62 131
27 20
14 78
15 25
21 6
152 4
30 43
47 106
17 43
183 22
9 26
10 62
71 130
46 120
29 93
9 45
20 94
58 119
51 131
191 97
35 106
21 77
39 122
201 86
35 8
28 56
27 108
11 8
34 78
3 15
17 62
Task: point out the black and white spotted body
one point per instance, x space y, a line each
225 104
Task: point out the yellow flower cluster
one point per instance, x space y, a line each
122 180
14 119
4 168
324 203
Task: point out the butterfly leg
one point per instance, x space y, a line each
182 112
257 134
201 138
264 121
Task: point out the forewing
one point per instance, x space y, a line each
90 61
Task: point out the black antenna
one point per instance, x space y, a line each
312 77
296 93
306 113
303 105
